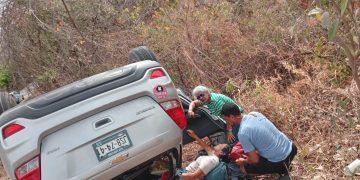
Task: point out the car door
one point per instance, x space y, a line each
204 123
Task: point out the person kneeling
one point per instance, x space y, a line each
267 150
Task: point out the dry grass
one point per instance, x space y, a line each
270 49
327 138
324 124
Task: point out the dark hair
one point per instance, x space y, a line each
230 109
226 151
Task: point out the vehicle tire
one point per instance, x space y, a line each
141 53
7 101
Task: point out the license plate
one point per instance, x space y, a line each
112 145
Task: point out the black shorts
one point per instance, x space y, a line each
267 167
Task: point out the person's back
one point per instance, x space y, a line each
267 149
257 132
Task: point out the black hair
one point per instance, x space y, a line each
225 156
230 109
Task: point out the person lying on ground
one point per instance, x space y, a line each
267 149
204 164
214 102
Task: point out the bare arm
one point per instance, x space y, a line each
229 133
192 176
250 158
253 157
192 106
207 148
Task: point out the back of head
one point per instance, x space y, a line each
230 109
200 89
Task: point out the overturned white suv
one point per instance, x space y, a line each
113 125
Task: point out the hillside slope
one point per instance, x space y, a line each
268 55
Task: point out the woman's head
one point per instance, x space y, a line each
201 93
222 151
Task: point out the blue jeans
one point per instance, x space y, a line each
234 171
180 171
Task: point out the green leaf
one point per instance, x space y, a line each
230 86
333 29
325 20
343 5
5 77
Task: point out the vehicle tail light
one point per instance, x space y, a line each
11 129
157 73
175 111
29 170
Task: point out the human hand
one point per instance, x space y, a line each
191 133
191 113
230 136
241 161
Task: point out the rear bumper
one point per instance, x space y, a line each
143 171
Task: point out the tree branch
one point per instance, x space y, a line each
71 19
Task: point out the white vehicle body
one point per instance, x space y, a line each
96 128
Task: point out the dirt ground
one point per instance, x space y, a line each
2 172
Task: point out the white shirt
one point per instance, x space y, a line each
205 163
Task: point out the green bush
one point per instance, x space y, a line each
339 74
5 77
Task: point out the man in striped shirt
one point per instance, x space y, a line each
214 102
